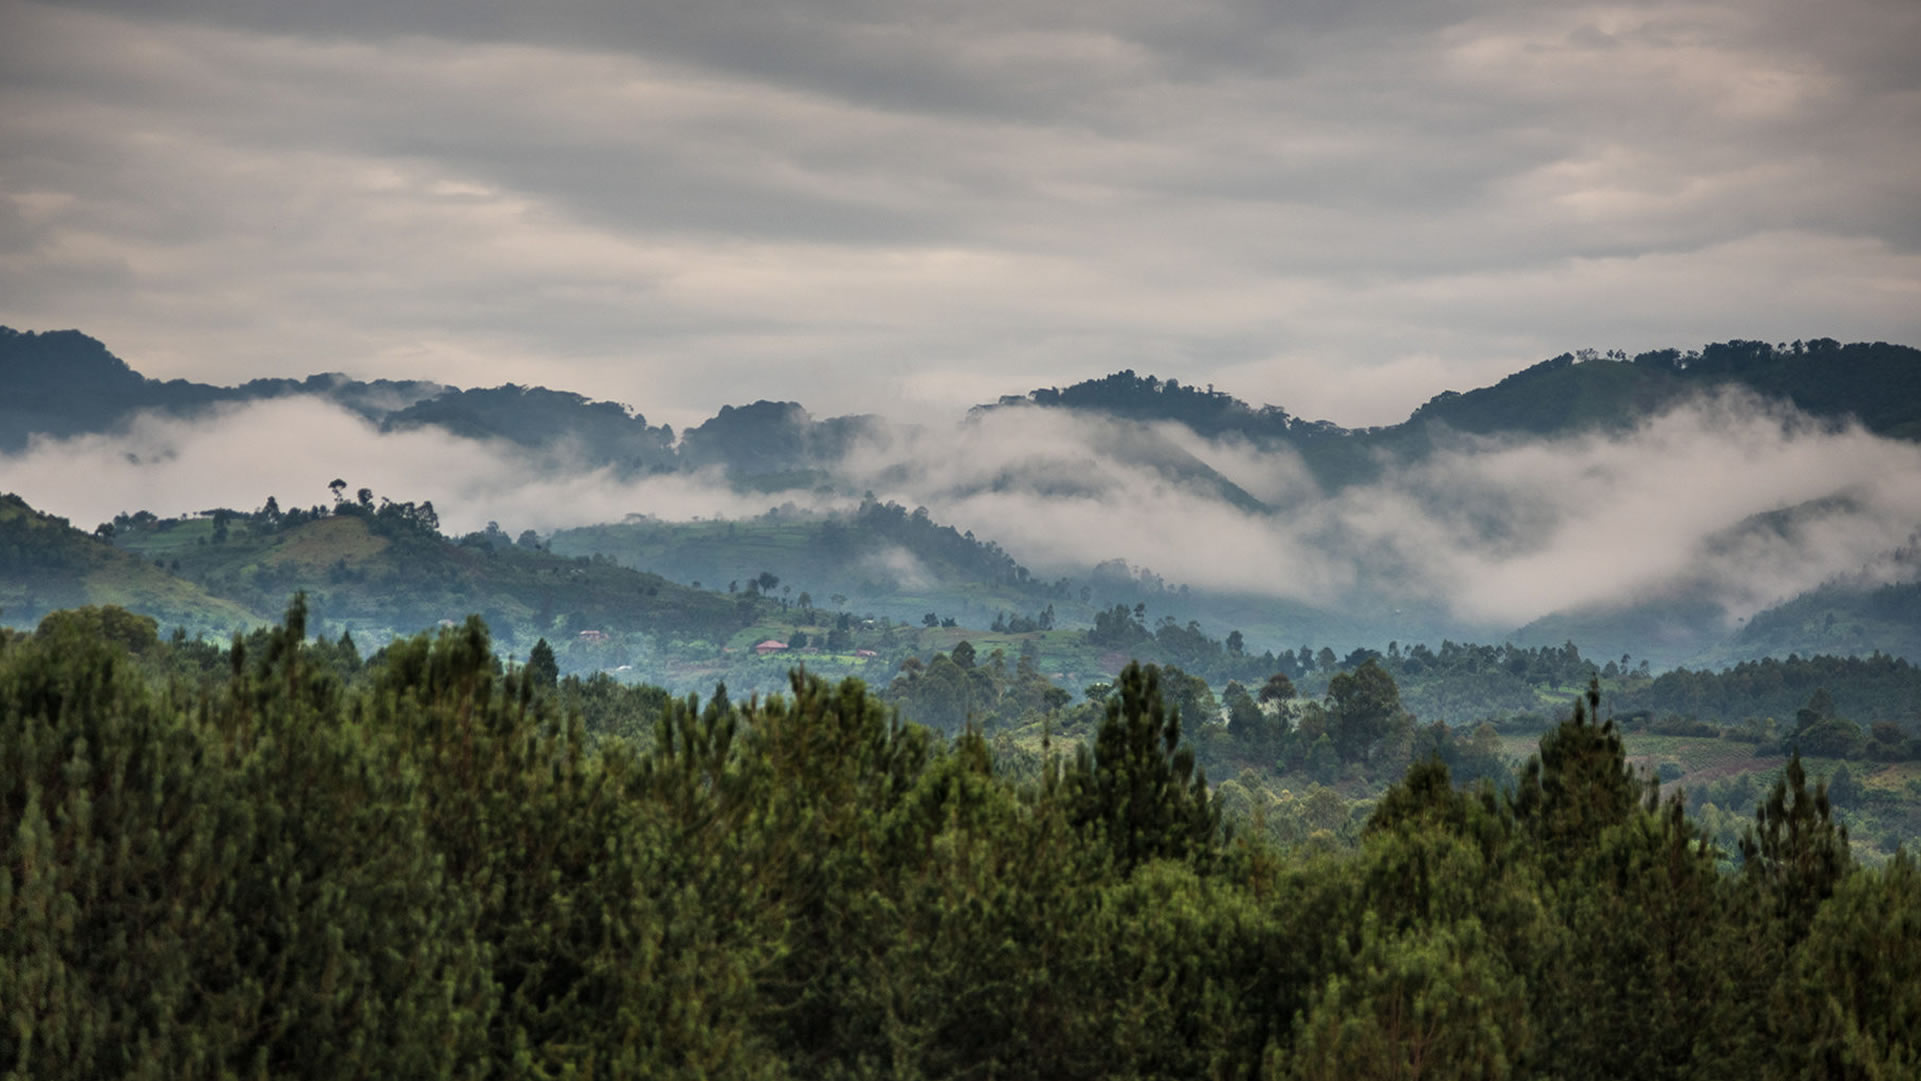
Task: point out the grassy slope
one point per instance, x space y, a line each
74 568
382 585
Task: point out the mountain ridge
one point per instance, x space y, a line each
1876 383
66 379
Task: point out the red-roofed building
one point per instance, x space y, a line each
770 646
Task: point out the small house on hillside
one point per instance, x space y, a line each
770 646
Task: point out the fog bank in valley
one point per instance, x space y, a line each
292 448
1499 531
1726 498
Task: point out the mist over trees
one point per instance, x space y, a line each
1796 456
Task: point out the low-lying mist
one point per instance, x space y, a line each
292 448
1728 498
1500 531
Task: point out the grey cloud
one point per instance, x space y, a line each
637 197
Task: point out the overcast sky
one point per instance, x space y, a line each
898 206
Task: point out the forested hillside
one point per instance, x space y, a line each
549 420
65 383
1876 383
880 557
283 860
377 568
1845 618
45 564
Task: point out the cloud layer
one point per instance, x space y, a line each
1341 209
291 448
1725 499
1496 532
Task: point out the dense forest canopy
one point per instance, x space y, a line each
289 858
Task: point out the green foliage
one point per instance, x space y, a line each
1439 1002
1877 687
1830 737
1364 709
251 864
108 623
1579 786
1648 946
275 860
953 691
1247 724
1850 1006
1796 852
1323 761
1139 791
542 669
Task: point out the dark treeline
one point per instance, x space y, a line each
878 523
1874 383
1522 686
1874 688
1124 394
64 382
282 860
1458 682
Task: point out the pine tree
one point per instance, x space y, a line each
1140 789
1796 853
1579 786
543 670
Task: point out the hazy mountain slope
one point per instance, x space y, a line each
63 382
1840 619
1147 449
1877 383
1691 623
1208 412
46 564
886 561
382 576
772 438
1467 519
880 558
599 433
60 383
1671 629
